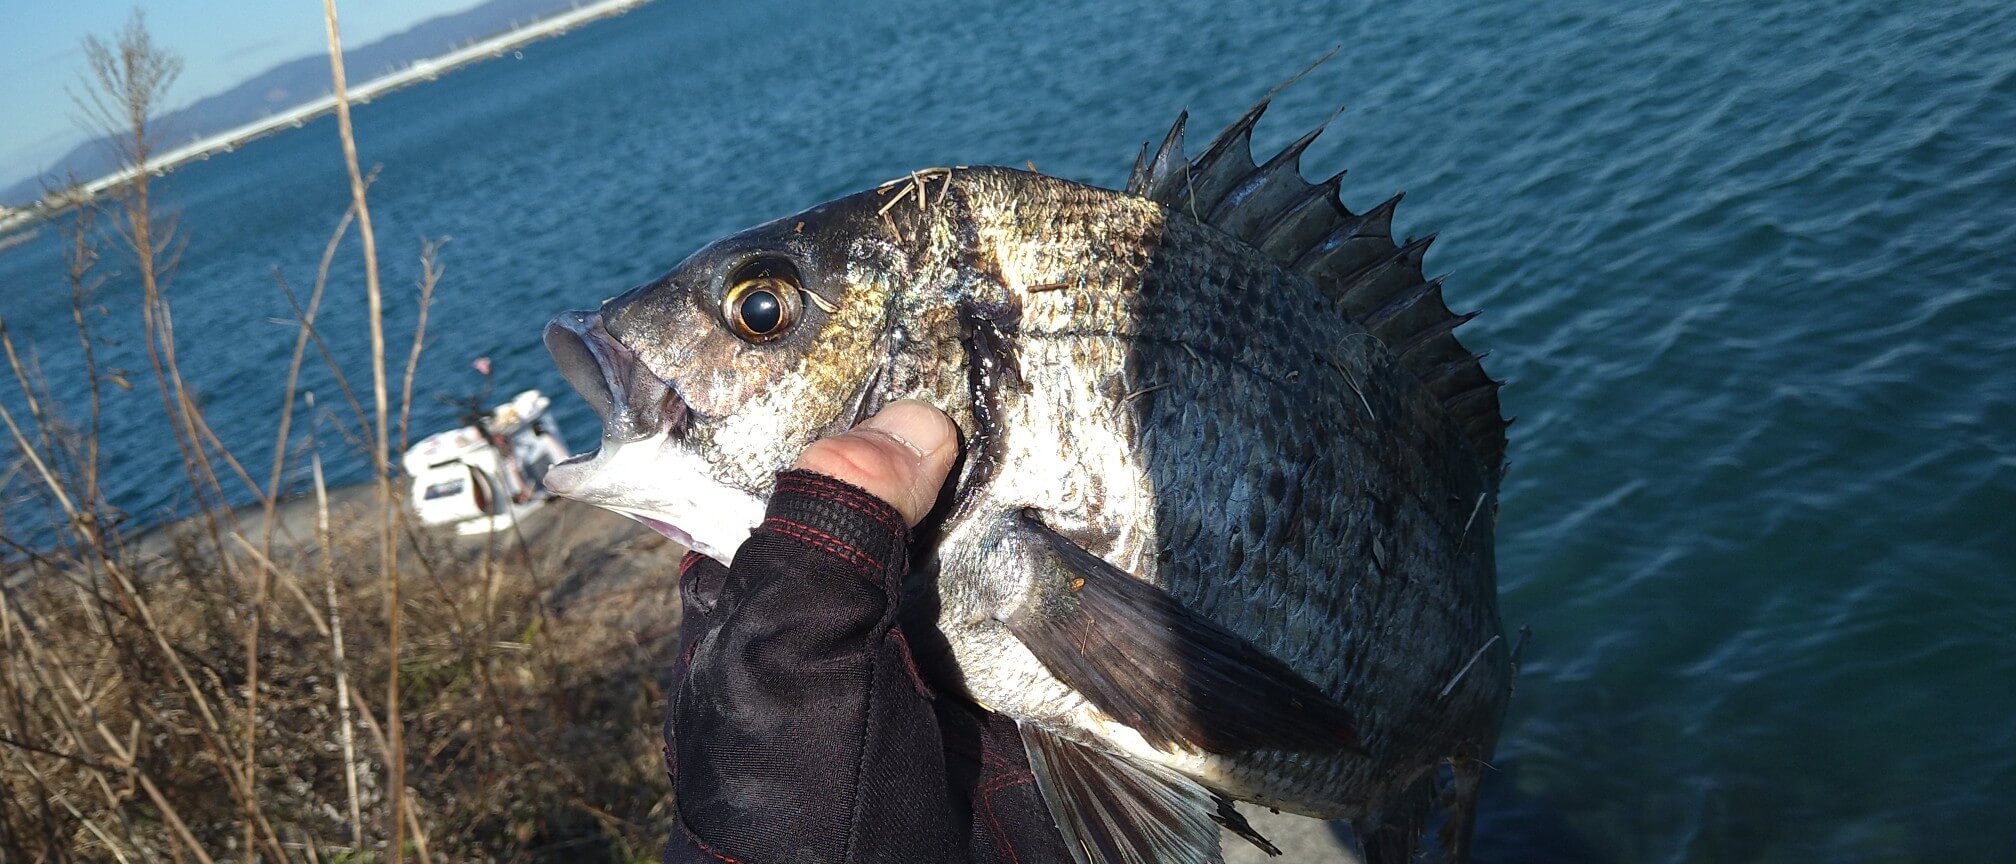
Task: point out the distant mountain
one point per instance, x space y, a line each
297 81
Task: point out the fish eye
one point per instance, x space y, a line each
762 308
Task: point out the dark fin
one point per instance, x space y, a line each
1301 222
1457 376
1385 845
1392 319
1396 836
1137 179
1307 229
1459 809
1112 810
1232 820
1380 282
1479 392
1229 158
1422 338
1350 246
1253 201
1151 663
1168 168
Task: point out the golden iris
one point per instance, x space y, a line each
762 309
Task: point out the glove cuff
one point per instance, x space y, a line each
841 520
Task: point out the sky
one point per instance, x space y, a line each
222 42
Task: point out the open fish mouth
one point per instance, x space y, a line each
633 403
644 469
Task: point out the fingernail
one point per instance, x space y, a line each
914 424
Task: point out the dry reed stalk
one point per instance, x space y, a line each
430 276
129 77
307 324
387 556
91 538
264 551
132 78
28 450
322 541
328 359
125 753
293 587
211 729
79 258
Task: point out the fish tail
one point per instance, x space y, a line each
1394 835
1459 808
1386 844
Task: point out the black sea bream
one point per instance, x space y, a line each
1223 526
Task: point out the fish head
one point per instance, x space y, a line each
714 377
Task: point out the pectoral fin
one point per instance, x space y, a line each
1111 810
1149 662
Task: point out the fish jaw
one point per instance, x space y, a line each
667 486
647 467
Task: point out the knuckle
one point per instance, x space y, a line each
858 460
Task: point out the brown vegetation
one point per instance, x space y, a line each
218 695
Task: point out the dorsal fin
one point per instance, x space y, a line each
1307 229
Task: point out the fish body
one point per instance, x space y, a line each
1223 527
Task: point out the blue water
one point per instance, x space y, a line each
1748 266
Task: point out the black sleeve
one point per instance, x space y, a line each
800 729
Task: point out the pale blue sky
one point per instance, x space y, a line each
222 42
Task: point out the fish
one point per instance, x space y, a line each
1222 529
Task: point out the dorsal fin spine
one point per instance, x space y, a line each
1137 179
1454 366
1229 157
1260 178
1308 231
1402 303
1289 228
1167 163
1374 223
1407 256
1459 400
1404 349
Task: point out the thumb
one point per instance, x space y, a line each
901 455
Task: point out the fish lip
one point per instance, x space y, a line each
665 529
632 402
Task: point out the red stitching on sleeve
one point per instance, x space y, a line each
872 513
910 662
777 524
822 545
687 561
835 490
1001 837
702 844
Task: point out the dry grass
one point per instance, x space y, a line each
534 736
216 696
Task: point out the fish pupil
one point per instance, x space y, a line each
761 312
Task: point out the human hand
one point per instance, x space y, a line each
795 666
901 455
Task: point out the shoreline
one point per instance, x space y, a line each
558 520
428 69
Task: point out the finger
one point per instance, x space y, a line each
900 455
